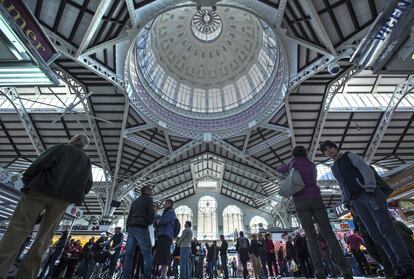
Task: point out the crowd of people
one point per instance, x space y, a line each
62 175
82 261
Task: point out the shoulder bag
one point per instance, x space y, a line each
292 184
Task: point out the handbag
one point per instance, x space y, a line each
292 184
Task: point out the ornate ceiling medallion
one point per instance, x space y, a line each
206 25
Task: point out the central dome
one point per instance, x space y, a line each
208 65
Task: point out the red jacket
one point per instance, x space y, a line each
268 246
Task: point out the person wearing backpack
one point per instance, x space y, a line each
167 226
243 248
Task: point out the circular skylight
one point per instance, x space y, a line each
191 68
206 25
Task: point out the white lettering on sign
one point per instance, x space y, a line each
340 210
392 21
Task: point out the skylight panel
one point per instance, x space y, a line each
368 102
98 174
244 87
207 184
324 173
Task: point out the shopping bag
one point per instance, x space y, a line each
292 184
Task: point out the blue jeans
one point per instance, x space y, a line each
373 211
138 236
224 266
263 260
212 268
185 272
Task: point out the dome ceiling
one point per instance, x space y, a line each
207 65
204 63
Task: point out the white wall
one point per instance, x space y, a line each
223 202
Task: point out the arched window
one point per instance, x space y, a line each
184 213
257 222
295 222
207 218
232 220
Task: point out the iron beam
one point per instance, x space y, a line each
399 93
77 88
147 144
12 95
267 143
334 87
93 26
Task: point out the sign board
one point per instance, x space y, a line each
340 210
344 226
74 211
22 19
87 228
387 34
341 227
402 178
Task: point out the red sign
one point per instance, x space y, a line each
28 25
344 226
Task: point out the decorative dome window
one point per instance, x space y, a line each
206 25
191 68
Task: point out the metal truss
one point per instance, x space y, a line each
185 164
102 71
186 185
254 162
110 192
246 141
309 45
245 169
168 140
245 191
282 213
75 87
93 26
280 12
131 10
138 128
125 36
316 23
399 93
174 190
318 66
276 128
289 121
69 51
267 143
100 201
12 95
139 177
334 87
147 144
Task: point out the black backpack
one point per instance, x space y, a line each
382 184
177 227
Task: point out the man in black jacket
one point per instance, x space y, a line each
140 216
116 243
223 256
60 176
361 192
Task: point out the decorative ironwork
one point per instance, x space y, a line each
206 25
